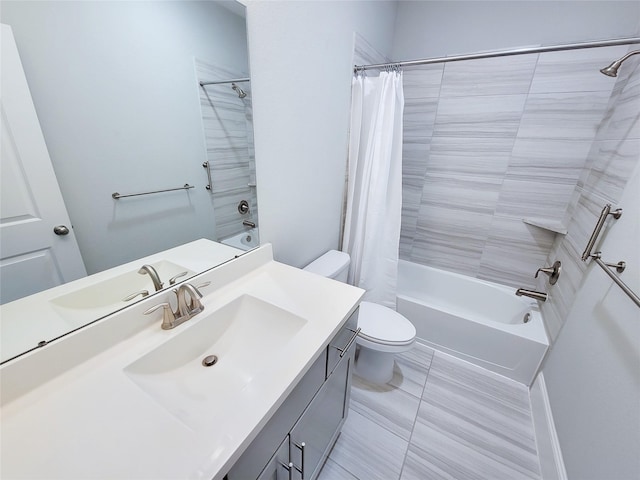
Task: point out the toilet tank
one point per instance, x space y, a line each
333 264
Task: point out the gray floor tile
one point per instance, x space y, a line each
472 424
388 406
332 471
367 450
412 368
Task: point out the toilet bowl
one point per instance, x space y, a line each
384 332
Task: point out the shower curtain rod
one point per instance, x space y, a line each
235 80
502 53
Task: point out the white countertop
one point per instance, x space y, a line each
70 411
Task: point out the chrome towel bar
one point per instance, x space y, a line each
116 195
597 256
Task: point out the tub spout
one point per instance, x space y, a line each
532 293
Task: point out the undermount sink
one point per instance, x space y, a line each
108 294
240 339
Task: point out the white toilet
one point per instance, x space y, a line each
384 332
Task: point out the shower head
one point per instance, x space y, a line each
241 93
612 70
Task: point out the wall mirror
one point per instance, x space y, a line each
137 97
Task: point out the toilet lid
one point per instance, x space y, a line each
383 325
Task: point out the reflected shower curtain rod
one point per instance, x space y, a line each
235 80
501 53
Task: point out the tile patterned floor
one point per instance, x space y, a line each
439 418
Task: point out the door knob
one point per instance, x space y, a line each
60 230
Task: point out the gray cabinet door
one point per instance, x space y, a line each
278 467
316 431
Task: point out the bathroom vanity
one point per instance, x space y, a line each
300 434
123 398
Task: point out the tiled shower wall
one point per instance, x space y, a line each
228 129
613 155
488 143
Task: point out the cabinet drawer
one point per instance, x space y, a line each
339 346
256 456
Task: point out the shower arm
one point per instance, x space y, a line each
611 70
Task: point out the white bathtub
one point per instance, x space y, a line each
244 240
475 320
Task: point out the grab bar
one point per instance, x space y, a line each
206 166
597 256
596 231
116 195
630 293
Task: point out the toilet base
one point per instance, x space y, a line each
374 366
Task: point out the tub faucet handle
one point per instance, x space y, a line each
553 272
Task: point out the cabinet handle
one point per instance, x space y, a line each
301 469
349 343
287 468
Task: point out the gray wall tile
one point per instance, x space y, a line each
500 140
563 115
489 76
574 70
495 116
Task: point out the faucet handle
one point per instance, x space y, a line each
168 318
173 279
143 293
553 272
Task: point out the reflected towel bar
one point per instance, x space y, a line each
219 82
116 195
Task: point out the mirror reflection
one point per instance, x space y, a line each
136 156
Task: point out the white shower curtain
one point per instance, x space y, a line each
374 195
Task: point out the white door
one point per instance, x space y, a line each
32 257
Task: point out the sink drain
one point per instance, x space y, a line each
209 360
527 317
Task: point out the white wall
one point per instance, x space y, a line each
115 90
301 68
593 371
438 28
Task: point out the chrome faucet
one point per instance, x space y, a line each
248 223
155 278
532 293
189 305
